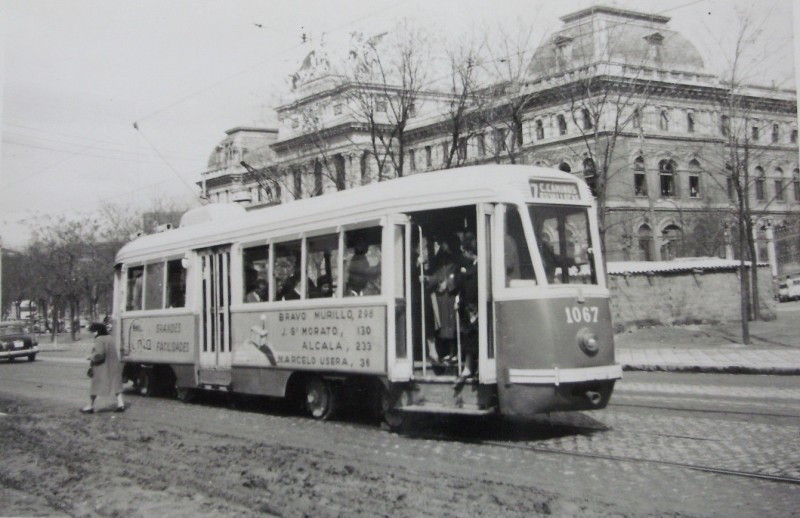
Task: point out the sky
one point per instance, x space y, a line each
75 75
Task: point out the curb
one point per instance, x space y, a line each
717 369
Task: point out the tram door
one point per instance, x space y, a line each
215 351
487 364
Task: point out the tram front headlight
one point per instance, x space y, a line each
588 342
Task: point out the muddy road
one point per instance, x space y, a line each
249 457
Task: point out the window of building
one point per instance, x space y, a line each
499 140
663 121
690 122
380 106
445 151
793 136
760 181
645 241
590 175
637 118
796 184
412 110
428 157
754 133
725 125
776 133
587 119
563 166
656 43
481 144
462 148
412 160
298 183
364 163
672 239
255 272
519 136
176 284
694 179
562 125
539 129
341 172
337 109
666 170
563 52
317 177
639 177
778 183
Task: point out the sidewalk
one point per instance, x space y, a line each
774 347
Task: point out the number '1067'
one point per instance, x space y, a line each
576 315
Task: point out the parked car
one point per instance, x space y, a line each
16 341
789 289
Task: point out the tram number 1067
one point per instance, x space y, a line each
576 315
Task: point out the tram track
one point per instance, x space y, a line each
674 464
702 410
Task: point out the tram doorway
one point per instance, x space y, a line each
215 353
449 294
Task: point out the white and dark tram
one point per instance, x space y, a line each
329 300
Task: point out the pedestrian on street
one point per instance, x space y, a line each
105 367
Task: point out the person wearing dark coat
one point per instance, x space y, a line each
106 369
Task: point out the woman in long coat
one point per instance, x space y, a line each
107 370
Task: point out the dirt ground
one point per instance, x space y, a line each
57 462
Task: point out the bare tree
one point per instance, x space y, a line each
463 59
386 74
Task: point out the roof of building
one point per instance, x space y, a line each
678 265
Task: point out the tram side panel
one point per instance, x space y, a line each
162 340
554 355
269 346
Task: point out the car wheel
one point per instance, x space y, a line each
31 357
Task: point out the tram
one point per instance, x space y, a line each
336 300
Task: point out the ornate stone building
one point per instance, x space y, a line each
615 96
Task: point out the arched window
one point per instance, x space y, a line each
760 180
562 125
778 184
639 177
776 133
666 172
590 175
645 239
694 179
672 246
563 166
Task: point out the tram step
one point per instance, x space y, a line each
438 409
443 393
216 377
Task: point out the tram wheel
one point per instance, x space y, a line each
184 394
144 382
320 398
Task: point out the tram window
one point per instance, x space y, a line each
321 265
363 262
518 264
255 264
135 276
287 270
565 243
154 286
176 284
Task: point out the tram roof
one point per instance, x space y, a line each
420 191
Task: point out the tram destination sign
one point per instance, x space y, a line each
549 190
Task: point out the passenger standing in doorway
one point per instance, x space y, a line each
468 305
106 369
442 282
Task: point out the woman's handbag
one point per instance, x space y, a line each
98 359
90 373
